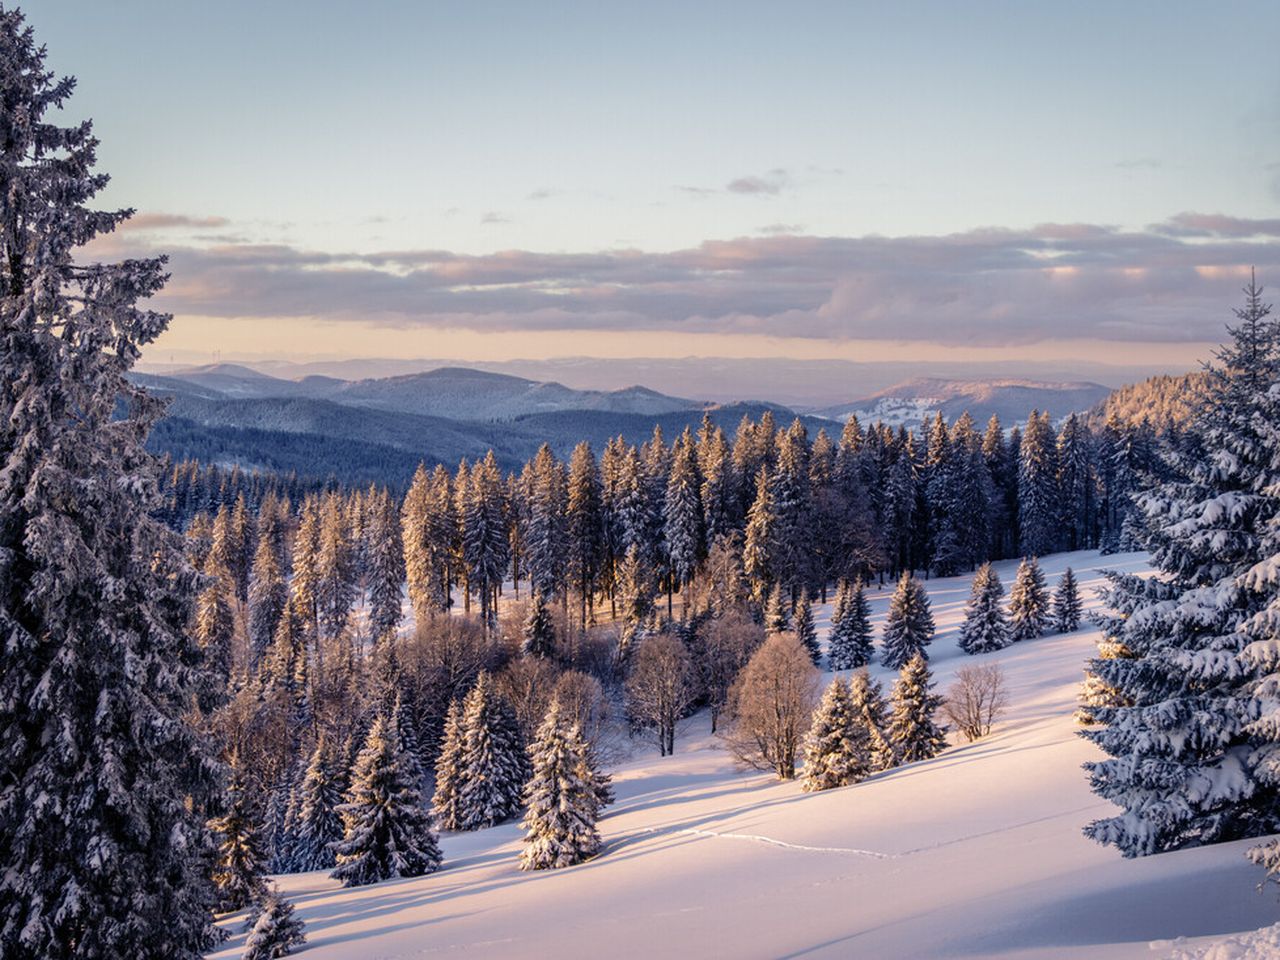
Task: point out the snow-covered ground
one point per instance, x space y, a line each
977 853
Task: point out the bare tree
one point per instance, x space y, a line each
976 700
771 704
583 698
660 687
728 642
527 684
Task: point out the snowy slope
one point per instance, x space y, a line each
977 853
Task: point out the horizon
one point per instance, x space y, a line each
889 188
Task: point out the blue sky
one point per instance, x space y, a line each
478 129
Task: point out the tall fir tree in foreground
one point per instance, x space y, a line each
1067 605
985 627
387 830
493 766
849 645
908 628
868 700
838 745
1029 601
104 785
912 730
1182 764
275 932
805 630
563 796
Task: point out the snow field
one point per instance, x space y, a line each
976 853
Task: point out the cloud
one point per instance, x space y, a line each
775 229
771 184
1172 283
544 193
494 217
1140 163
1217 225
171 221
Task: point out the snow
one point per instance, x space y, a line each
976 853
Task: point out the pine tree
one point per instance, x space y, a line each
1067 606
908 628
104 785
1182 753
386 566
1029 601
548 532
562 796
912 732
758 543
985 627
335 569
1076 483
275 932
868 700
238 871
387 831
449 770
805 630
793 510
585 528
494 765
1039 504
539 629
485 547
318 825
838 747
849 645
683 531
214 630
777 619
268 593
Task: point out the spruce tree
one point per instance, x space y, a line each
985 627
539 630
104 785
449 770
586 519
268 594
1029 601
494 765
318 825
868 700
849 644
275 932
562 796
1182 754
777 618
683 531
387 830
758 545
1039 504
912 732
386 567
908 628
238 870
1067 605
805 631
838 747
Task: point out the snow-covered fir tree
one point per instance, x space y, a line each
912 731
683 532
869 700
1067 605
985 627
777 614
539 628
240 866
1029 608
908 627
104 785
275 932
494 766
838 746
849 644
562 797
449 770
585 527
1039 507
387 831
385 566
268 593
214 630
317 825
758 538
1182 763
805 630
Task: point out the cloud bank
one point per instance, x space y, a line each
1171 282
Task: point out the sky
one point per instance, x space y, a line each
978 181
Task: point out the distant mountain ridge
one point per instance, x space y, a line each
914 401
